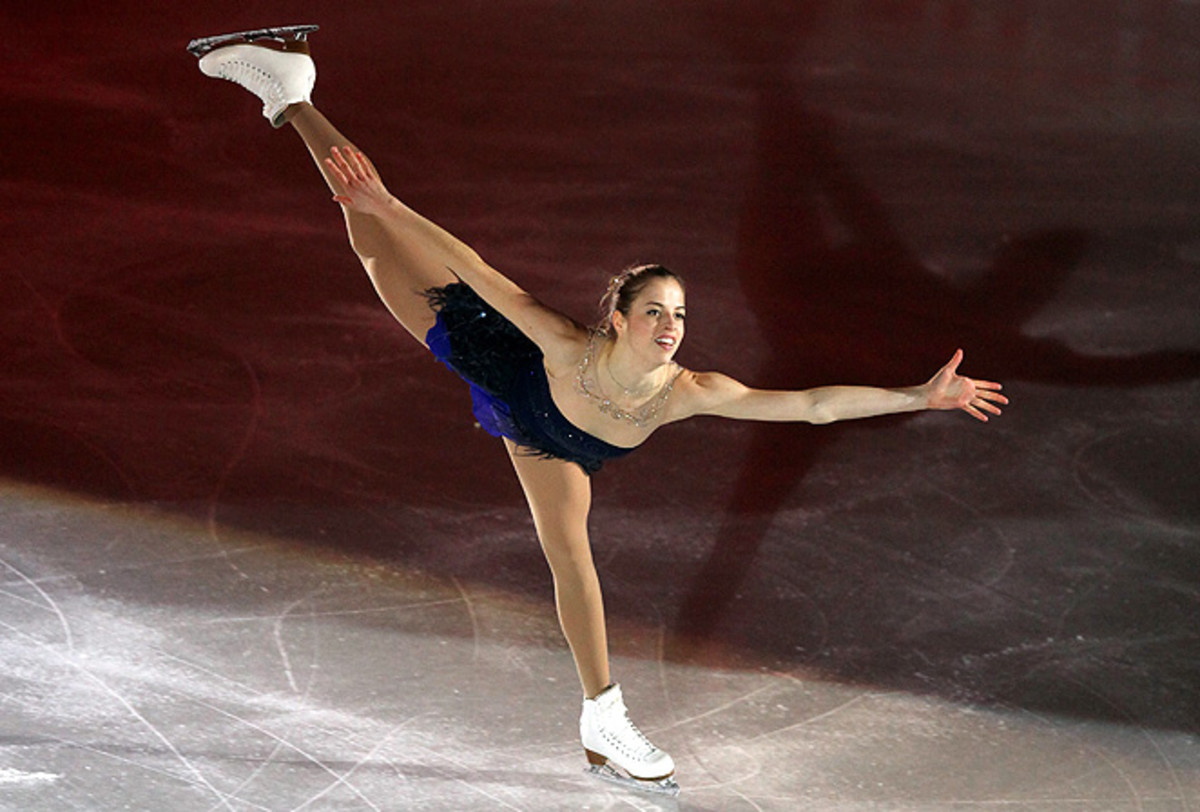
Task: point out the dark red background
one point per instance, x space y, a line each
853 190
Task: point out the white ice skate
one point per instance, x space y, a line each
610 738
272 63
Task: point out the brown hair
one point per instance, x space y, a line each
625 287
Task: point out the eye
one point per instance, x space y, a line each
653 311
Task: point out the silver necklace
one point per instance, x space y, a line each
629 393
641 416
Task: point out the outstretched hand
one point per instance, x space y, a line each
361 188
949 390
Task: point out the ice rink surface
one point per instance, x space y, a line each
254 555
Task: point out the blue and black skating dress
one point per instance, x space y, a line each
510 394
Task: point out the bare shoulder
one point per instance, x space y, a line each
698 393
563 344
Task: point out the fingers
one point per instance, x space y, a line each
342 180
363 163
985 400
985 396
338 163
351 171
955 360
951 367
975 413
987 392
348 165
991 408
346 159
977 406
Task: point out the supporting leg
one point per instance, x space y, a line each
559 496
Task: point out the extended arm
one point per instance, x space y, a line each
364 192
716 394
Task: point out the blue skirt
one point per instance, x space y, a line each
510 395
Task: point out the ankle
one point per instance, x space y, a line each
293 110
596 694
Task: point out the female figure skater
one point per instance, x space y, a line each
564 398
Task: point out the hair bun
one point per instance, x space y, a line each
625 287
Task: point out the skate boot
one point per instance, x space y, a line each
610 738
272 63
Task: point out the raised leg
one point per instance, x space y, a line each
404 260
401 264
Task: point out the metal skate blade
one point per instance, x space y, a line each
663 786
284 33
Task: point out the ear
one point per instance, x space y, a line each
619 322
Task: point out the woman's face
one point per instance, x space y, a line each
654 326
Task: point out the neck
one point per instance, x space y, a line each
634 375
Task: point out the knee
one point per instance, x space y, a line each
367 238
568 558
368 250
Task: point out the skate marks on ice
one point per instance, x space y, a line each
21 778
778 742
137 665
1141 473
666 787
152 671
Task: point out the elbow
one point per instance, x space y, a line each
819 413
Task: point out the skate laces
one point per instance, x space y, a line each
253 78
630 738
